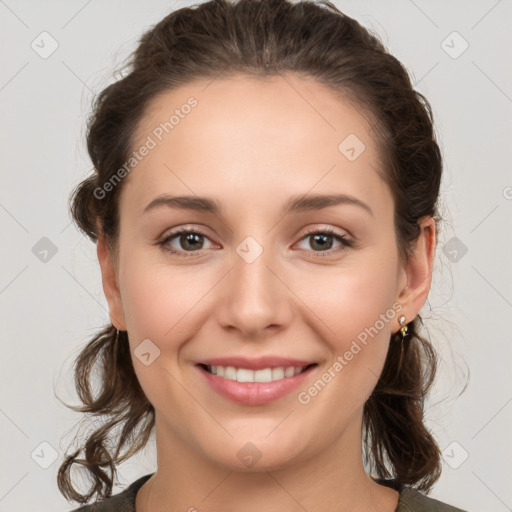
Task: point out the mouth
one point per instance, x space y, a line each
255 386
263 375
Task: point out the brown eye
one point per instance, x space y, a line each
189 241
321 241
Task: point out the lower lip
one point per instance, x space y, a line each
254 393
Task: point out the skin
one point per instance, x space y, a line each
251 145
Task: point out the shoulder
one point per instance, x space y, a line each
411 500
121 502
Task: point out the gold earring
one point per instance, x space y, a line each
403 331
403 323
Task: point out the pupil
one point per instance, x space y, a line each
189 239
322 237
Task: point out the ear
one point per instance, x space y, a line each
419 272
109 280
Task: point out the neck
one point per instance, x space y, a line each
334 479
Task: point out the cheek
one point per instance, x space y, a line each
357 337
159 302
350 299
354 310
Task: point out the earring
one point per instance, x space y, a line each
403 329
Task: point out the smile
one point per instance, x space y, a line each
254 386
248 375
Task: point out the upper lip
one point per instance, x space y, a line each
256 363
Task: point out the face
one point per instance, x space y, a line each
253 285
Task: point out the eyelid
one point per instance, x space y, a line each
345 240
164 239
310 230
326 229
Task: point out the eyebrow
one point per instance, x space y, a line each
294 205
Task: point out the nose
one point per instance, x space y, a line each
254 297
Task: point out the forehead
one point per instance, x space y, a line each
284 135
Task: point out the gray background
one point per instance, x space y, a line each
52 303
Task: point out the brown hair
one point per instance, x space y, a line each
264 38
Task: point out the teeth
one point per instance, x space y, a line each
264 375
243 375
246 375
277 373
290 371
230 373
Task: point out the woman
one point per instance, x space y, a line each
264 203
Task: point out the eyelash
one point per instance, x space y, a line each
320 254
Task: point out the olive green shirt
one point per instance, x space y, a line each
410 500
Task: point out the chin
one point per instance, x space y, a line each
255 456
